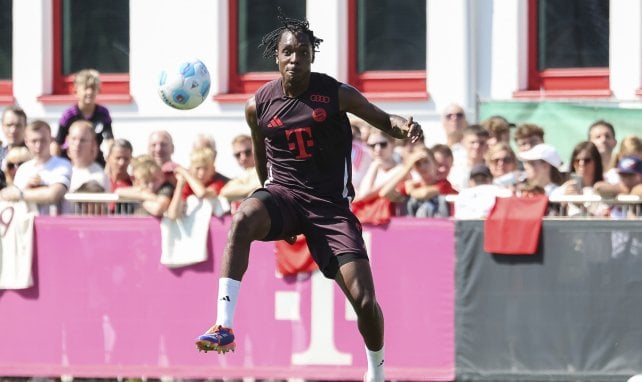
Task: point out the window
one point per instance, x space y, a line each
388 47
91 34
569 48
250 21
6 51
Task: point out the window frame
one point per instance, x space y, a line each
560 83
240 85
114 87
384 85
6 89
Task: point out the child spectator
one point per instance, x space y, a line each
87 87
443 163
474 141
149 187
541 165
630 170
498 129
200 180
528 136
420 192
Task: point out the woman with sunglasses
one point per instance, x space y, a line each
585 170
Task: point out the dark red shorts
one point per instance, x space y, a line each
333 233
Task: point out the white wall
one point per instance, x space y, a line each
475 50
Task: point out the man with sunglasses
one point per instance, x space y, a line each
14 121
242 186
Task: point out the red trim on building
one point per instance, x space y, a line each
560 83
393 85
240 84
114 86
6 92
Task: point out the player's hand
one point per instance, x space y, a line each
413 130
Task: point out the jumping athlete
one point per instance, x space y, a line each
302 143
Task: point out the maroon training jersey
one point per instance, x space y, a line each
308 141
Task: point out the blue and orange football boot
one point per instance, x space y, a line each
218 338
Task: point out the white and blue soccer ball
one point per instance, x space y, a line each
185 85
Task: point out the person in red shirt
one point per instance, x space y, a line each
200 180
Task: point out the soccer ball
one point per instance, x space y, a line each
184 86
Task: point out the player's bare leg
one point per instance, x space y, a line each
355 279
249 223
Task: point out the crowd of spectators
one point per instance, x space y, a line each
478 162
496 158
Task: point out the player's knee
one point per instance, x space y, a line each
245 226
365 303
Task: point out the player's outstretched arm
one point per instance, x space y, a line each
352 101
258 141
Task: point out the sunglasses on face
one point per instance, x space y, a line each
383 145
455 115
12 165
247 153
506 160
577 161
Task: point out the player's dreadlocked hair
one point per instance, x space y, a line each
271 40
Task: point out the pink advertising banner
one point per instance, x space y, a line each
104 306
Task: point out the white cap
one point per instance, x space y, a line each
543 152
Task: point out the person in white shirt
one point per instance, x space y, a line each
43 180
242 186
82 152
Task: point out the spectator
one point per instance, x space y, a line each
630 170
200 180
204 140
630 145
43 180
161 148
528 136
421 194
602 134
119 158
150 187
498 129
478 199
453 121
502 162
14 121
362 126
15 157
360 155
474 142
82 152
370 205
247 182
383 166
585 172
443 163
479 175
87 87
541 164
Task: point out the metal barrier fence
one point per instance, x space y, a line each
92 204
589 206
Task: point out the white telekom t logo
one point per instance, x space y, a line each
322 350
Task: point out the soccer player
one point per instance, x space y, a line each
302 142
